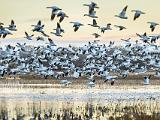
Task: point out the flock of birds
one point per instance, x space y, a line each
107 62
90 60
57 12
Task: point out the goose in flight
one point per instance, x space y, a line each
4 32
137 14
76 25
59 30
154 38
44 34
143 37
55 9
91 6
122 14
91 14
120 27
62 15
51 42
108 27
40 38
94 24
28 37
127 40
39 27
96 35
152 25
12 26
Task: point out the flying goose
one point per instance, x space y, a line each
154 38
51 42
96 35
4 32
76 25
120 27
108 27
39 27
28 37
143 37
137 14
122 14
39 38
94 23
127 40
91 14
91 6
59 30
55 9
62 15
12 26
152 25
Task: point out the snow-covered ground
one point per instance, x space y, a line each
111 94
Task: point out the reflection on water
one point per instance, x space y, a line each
48 110
80 104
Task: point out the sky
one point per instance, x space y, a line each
28 12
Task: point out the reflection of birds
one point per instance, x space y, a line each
55 9
96 35
153 25
62 15
137 14
76 25
120 27
122 14
12 26
59 30
28 37
94 24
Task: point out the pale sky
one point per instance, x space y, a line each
28 12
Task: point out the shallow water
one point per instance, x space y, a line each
19 101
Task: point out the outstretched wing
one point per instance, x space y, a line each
123 12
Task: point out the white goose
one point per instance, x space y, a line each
91 14
147 80
122 14
62 15
28 37
94 23
137 14
59 30
152 25
76 25
12 26
96 35
120 27
39 27
55 9
108 27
